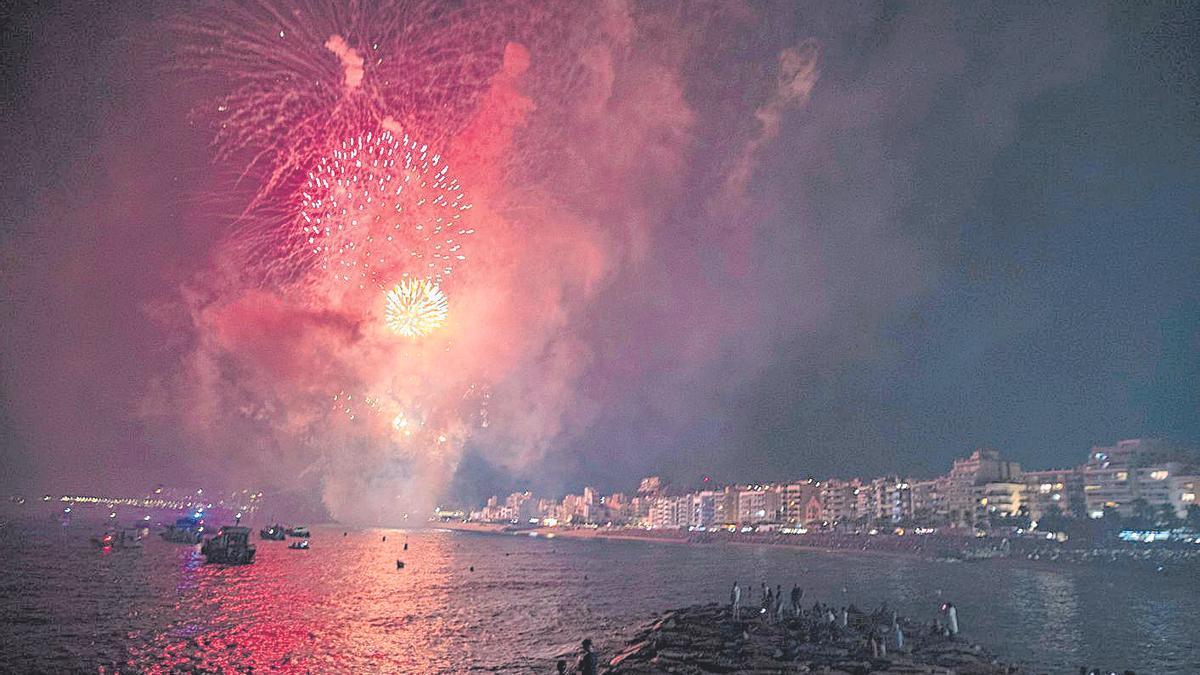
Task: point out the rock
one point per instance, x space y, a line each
705 639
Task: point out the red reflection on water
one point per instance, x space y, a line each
340 606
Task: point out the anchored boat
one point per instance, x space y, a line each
126 537
273 533
231 546
187 530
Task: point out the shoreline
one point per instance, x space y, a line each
669 537
943 549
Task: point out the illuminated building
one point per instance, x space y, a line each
707 509
796 502
966 475
1058 490
1136 470
1185 492
670 513
891 501
929 502
999 498
758 505
839 502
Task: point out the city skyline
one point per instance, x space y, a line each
1111 477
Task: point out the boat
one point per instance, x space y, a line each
126 537
231 546
187 530
273 533
299 531
299 545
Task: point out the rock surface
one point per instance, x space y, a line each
707 639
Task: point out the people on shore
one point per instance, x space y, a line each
780 603
588 664
561 667
797 596
735 601
951 613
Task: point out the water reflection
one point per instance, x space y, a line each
343 606
1048 600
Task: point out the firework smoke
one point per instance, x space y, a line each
345 120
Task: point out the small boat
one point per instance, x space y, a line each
273 533
299 545
231 546
126 537
299 531
188 530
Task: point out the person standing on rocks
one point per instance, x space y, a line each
588 664
797 596
951 618
899 636
780 602
735 601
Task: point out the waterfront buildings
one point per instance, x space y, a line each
1134 477
1130 475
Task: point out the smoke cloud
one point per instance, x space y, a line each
692 225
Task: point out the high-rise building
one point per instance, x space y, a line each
1055 490
840 502
1132 472
671 513
983 466
758 504
795 499
1001 498
706 508
891 501
928 502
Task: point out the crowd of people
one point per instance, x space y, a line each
828 623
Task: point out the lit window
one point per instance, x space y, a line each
1058 486
1158 475
1044 488
1189 497
1122 475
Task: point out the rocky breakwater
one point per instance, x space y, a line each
707 639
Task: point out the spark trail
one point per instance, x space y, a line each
380 207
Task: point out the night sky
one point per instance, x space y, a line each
758 242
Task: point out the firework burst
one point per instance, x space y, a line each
416 307
381 206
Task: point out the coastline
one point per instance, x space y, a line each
670 537
949 549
